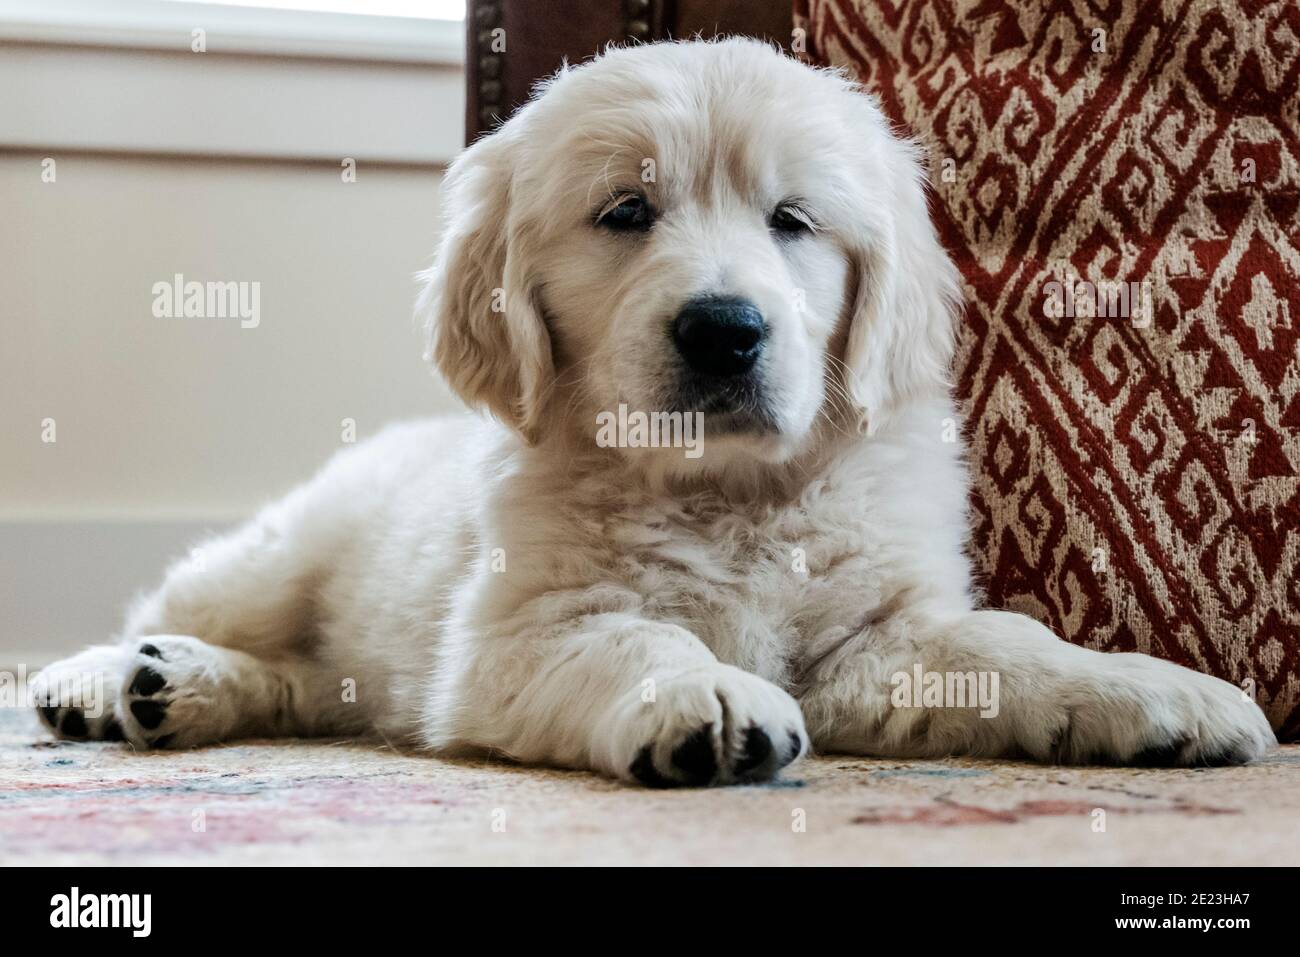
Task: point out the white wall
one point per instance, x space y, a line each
165 427
161 418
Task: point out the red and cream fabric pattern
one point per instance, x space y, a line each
1120 185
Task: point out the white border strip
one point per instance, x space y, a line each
158 25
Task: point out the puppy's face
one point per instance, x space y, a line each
690 263
691 228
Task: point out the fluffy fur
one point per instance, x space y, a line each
510 586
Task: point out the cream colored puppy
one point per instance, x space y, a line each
679 233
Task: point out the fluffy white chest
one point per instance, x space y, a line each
754 588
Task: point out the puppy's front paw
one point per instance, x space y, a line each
715 725
1138 710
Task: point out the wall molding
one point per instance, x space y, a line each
155 102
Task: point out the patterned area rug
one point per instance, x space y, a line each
334 803
1119 184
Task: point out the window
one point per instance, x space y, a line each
413 31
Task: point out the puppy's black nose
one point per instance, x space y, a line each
719 336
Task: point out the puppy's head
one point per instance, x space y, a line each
692 227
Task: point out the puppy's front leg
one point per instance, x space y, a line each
889 691
628 697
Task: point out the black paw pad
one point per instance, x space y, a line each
50 715
74 724
758 748
151 651
694 757
1062 745
644 770
162 742
1168 755
796 745
1239 753
113 732
150 714
146 682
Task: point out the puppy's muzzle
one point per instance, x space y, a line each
719 336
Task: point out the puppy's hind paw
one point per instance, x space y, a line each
178 692
76 698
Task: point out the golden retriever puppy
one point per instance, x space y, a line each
718 513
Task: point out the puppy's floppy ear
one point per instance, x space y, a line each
900 341
485 331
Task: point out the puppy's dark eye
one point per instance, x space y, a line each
790 219
627 214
